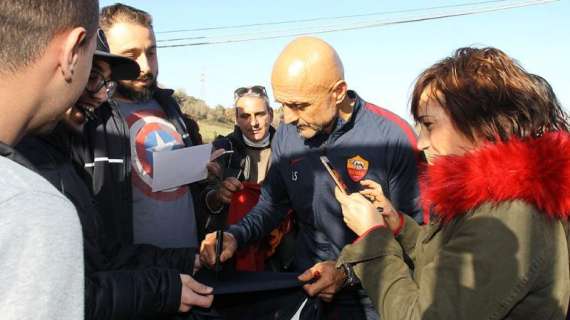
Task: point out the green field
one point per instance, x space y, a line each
210 129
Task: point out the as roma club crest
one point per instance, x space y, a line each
357 168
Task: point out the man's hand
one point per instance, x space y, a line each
358 213
328 280
215 171
194 294
224 193
227 189
208 249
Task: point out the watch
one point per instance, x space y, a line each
213 212
351 278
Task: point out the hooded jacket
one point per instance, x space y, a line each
497 247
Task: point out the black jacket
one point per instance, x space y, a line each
122 281
107 159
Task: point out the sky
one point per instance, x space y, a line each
380 63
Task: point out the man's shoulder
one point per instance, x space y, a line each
286 135
390 124
286 131
165 97
16 180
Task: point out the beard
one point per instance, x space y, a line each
308 131
128 90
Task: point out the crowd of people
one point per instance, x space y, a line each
465 217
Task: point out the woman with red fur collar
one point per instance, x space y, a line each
498 186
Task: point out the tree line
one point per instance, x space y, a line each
199 110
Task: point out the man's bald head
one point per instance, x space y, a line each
308 80
307 62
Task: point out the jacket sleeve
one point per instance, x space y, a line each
146 256
408 236
132 294
215 220
273 204
479 272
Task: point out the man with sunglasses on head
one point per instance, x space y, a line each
244 165
123 138
122 281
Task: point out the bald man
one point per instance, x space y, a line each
362 141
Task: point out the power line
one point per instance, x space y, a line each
239 26
355 26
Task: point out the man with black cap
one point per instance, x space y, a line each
122 281
145 120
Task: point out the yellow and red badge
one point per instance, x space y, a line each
357 168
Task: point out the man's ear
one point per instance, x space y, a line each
339 91
270 111
73 42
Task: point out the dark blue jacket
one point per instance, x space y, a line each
298 180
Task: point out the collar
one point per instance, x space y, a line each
10 153
340 126
238 137
258 145
534 170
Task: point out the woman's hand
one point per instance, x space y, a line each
359 213
373 192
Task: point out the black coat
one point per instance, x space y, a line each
122 281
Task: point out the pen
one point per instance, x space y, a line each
219 247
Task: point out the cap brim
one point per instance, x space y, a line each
122 68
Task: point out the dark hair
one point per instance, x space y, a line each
27 27
487 93
122 13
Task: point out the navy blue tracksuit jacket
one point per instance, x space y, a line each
384 146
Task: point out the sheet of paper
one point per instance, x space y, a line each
178 167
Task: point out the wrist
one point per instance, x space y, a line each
212 202
401 221
350 278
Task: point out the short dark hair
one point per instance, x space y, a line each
27 27
123 13
487 93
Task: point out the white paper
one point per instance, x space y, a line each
178 167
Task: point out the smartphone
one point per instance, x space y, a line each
335 175
218 153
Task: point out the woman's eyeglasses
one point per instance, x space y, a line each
97 81
258 91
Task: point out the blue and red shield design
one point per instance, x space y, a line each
150 132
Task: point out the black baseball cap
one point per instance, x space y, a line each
122 68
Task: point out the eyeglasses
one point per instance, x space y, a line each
97 81
258 91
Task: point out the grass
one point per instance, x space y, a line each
211 129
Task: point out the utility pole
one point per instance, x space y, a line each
203 86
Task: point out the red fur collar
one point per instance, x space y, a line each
533 170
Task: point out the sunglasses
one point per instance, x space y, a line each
258 91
